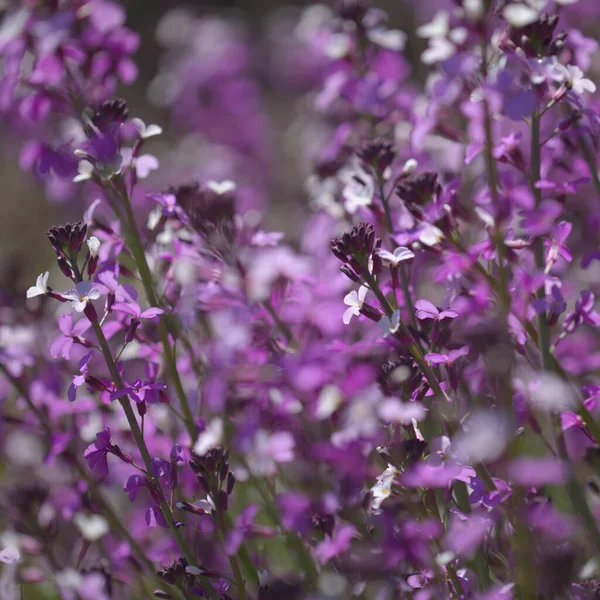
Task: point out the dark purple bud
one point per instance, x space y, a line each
223 470
63 265
190 508
348 272
222 501
378 154
203 483
370 312
141 408
118 452
230 483
131 329
92 265
395 279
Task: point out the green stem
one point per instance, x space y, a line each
141 444
139 254
544 329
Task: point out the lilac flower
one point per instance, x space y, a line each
138 390
97 452
339 543
83 293
449 359
555 246
584 313
71 334
428 310
537 471
79 380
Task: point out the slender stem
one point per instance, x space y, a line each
137 248
404 280
141 444
544 329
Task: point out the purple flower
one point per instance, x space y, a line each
428 310
79 380
63 344
97 452
338 544
555 246
537 472
584 313
138 390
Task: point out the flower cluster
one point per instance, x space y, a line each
401 402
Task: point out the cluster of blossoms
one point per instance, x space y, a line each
404 404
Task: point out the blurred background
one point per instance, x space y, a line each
233 84
28 208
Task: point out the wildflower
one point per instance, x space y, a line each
382 489
354 300
338 543
400 255
146 131
41 286
83 293
71 334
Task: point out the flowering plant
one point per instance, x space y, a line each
401 401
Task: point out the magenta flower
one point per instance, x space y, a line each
96 453
71 334
133 308
555 245
427 310
335 545
79 380
584 313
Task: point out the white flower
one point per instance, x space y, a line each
221 187
41 286
92 527
391 39
85 171
484 438
355 301
83 293
439 50
210 437
399 255
519 15
329 400
93 244
392 410
383 488
437 28
578 82
146 131
359 191
431 235
410 166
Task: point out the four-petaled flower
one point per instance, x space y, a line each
427 310
584 313
354 300
96 453
63 344
41 286
84 292
555 246
399 255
